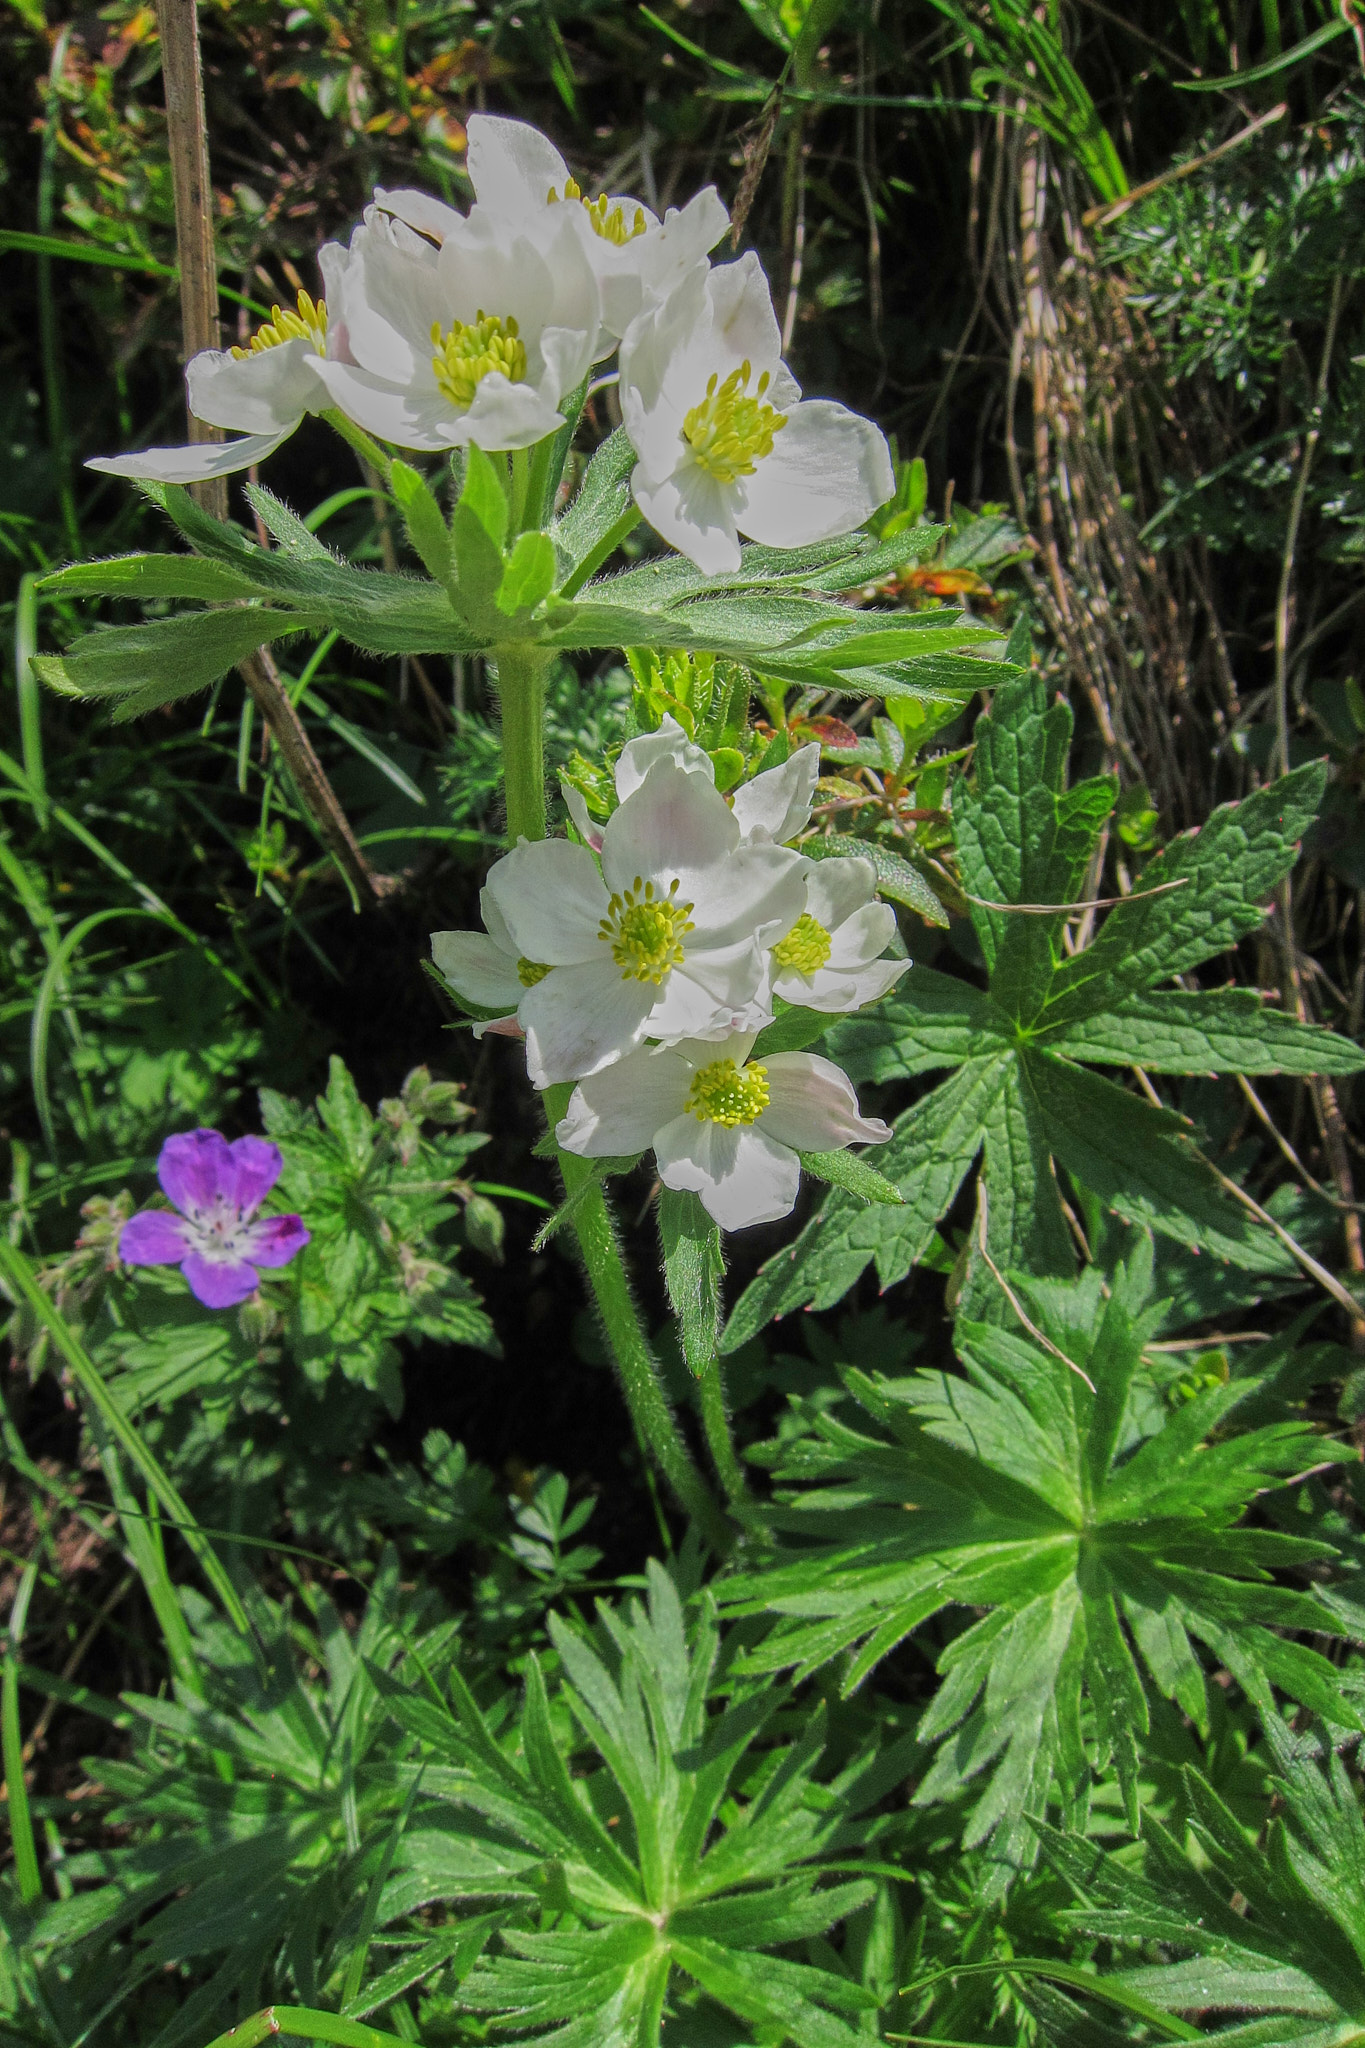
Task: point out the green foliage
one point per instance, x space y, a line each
1091 1522
1020 1095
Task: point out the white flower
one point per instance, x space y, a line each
725 444
721 1125
473 338
771 809
520 179
830 959
483 968
666 940
261 391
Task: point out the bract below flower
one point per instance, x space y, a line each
831 957
261 392
519 178
721 1125
476 340
665 940
217 1240
726 444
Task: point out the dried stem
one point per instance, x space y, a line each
187 137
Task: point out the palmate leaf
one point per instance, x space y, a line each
1020 1097
1296 1947
1100 1532
780 611
632 1810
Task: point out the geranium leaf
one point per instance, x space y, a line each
1206 1031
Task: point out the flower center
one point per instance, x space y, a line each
529 972
604 219
645 931
469 351
733 429
806 946
726 1094
309 323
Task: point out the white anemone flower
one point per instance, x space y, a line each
665 940
459 331
721 1125
725 441
771 809
831 958
520 180
482 967
262 392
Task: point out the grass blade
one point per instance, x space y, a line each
20 1819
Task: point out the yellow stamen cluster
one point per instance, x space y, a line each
726 1094
733 428
469 350
806 946
309 323
645 931
529 972
605 218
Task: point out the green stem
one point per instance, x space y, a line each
607 546
639 1374
520 671
521 480
716 1422
367 449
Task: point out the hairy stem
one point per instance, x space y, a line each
520 671
715 1419
365 446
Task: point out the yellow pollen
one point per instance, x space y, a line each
604 218
529 972
806 946
724 1094
468 351
309 323
733 429
645 931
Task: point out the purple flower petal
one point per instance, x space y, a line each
219 1283
273 1241
258 1165
152 1238
196 1169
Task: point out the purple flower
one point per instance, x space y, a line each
217 1188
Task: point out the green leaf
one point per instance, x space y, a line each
791 1030
425 521
143 667
152 577
530 574
1143 1163
1026 1230
929 1020
1209 1031
854 1174
602 497
896 876
290 533
478 527
694 1268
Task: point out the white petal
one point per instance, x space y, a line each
743 324
428 217
836 888
669 743
759 892
393 299
673 824
776 805
265 393
652 265
553 899
693 513
579 1019
495 924
838 990
828 472
862 937
812 1106
477 969
194 464
650 352
511 165
503 415
586 826
620 1109
742 1175
409 415
709 995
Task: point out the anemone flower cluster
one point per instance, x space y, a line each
642 961
439 329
